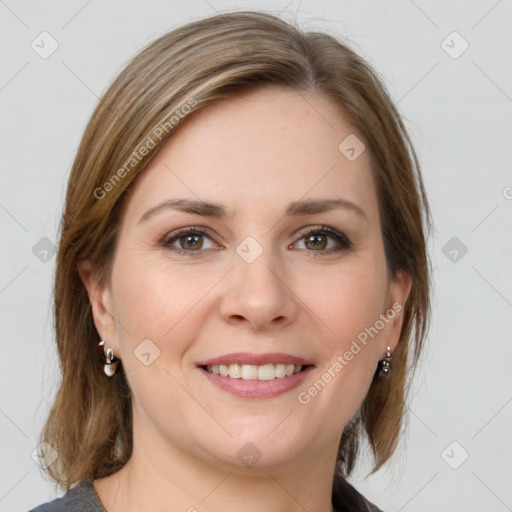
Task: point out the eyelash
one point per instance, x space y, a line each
342 240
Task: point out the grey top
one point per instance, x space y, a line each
82 497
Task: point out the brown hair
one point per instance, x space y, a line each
90 423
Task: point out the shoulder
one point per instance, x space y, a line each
81 497
347 498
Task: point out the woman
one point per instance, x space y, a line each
244 242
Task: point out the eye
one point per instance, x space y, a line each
189 239
316 239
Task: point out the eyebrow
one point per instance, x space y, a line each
216 210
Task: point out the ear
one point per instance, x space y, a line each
100 297
399 289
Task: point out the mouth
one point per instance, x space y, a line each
264 372
256 375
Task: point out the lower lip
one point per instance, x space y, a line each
257 388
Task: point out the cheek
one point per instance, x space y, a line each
345 300
347 304
152 306
154 300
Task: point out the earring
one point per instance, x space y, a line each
110 361
385 364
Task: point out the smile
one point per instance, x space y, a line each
262 372
256 376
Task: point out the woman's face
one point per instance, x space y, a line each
251 246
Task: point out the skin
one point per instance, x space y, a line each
255 154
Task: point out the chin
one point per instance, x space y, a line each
260 443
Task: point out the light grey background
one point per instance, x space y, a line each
458 111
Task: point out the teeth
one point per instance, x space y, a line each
249 372
280 371
235 371
253 372
266 372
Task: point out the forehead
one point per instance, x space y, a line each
259 152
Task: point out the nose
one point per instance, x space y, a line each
259 294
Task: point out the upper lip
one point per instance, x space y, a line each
256 359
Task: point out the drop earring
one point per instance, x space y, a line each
385 363
110 362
